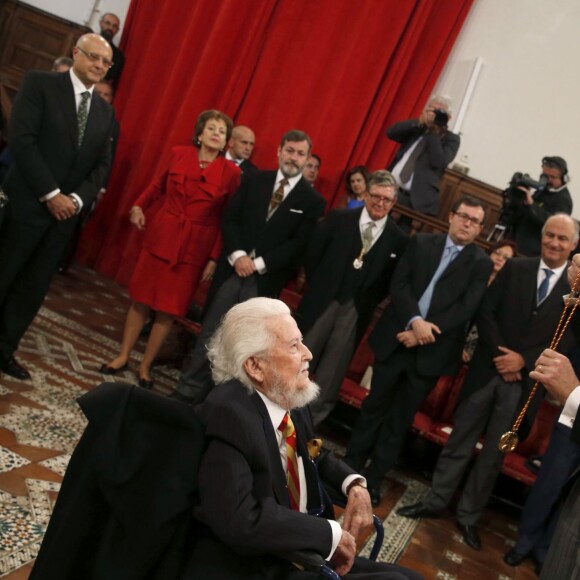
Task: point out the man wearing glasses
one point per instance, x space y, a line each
436 290
517 319
349 264
60 135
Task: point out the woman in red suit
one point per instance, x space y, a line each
182 237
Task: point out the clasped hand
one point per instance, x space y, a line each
61 207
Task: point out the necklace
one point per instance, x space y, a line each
203 164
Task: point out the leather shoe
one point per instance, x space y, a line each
105 369
375 493
513 558
176 395
146 383
470 536
416 510
13 368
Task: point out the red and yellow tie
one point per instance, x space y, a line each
289 433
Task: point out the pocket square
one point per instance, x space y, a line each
393 255
296 210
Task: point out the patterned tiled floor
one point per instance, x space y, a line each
77 329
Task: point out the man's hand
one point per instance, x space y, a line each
244 266
555 372
573 270
529 200
343 557
358 513
61 207
424 331
137 217
208 271
510 362
427 118
407 338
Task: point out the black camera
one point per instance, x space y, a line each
441 117
513 197
520 179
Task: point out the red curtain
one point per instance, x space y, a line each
340 70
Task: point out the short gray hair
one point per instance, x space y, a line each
383 178
567 216
243 332
441 100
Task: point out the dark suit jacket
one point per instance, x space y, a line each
456 297
244 499
333 247
509 317
248 168
439 152
280 241
125 505
43 140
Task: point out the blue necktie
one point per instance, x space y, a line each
425 300
545 284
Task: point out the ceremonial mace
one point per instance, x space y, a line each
509 441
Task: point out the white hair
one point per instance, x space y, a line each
243 332
441 100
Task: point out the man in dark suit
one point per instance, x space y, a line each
258 484
240 148
555 372
427 148
349 264
60 136
517 319
530 216
265 229
436 290
110 25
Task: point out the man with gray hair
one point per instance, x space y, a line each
427 148
517 319
349 264
258 481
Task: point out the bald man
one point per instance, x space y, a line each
60 135
240 148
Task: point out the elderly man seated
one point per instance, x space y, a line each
258 487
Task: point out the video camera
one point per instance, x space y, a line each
513 196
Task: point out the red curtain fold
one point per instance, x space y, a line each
340 70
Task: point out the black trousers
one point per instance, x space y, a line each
29 257
397 391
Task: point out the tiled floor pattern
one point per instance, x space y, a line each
78 329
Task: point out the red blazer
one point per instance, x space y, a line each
184 207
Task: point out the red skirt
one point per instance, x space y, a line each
162 287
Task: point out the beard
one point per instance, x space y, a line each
292 398
107 34
290 170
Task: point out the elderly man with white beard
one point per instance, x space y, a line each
259 489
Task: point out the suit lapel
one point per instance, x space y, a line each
437 243
554 298
69 107
382 248
279 484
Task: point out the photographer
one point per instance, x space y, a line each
427 148
527 212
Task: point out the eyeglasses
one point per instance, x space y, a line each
467 218
382 198
96 58
501 255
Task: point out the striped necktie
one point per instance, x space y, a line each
83 115
289 434
544 285
277 197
